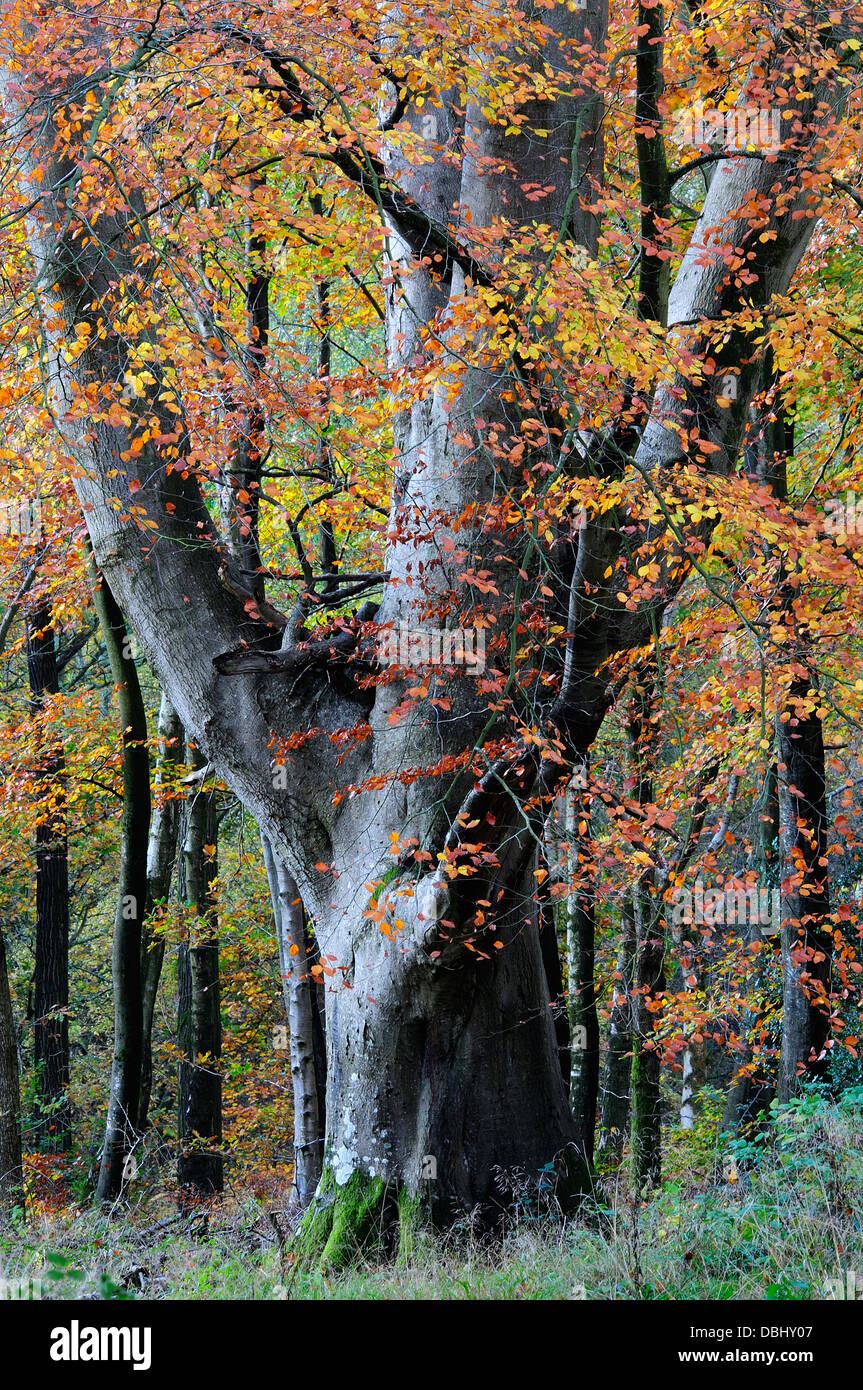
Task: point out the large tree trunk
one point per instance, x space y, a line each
443 1080
199 1027
51 985
11 1167
121 1133
161 857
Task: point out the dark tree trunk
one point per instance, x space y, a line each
118 1164
200 1164
614 1118
751 1091
11 1168
51 985
161 857
806 947
648 982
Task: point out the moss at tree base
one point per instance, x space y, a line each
347 1221
369 1218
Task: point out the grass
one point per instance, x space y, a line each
777 1218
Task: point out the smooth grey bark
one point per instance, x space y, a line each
161 858
11 1166
121 1134
304 1026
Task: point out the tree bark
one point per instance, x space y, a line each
751 1091
121 1134
581 958
11 1165
52 1120
304 1025
161 858
200 1168
648 978
614 1113
806 946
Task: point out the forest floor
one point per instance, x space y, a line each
777 1218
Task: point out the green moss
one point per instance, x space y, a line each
347 1222
411 1212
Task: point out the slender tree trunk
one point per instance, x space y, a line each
692 1082
751 1092
646 1105
614 1118
648 982
51 988
200 1164
124 1100
11 1166
806 947
304 1026
557 994
161 857
581 955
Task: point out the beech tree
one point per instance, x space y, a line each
557 422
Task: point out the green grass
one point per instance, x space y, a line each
774 1219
